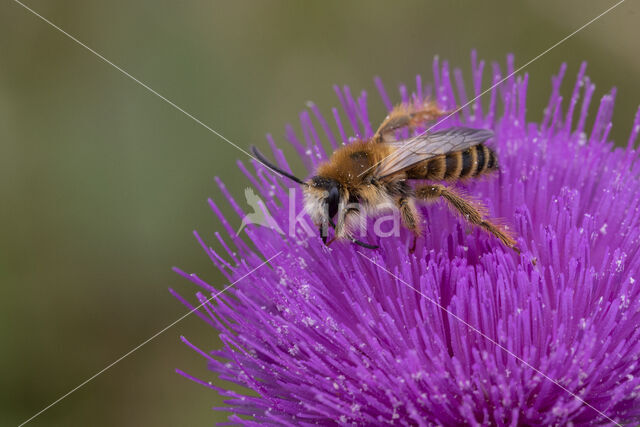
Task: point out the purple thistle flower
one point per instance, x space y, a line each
323 335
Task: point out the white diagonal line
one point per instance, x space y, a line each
143 343
144 85
473 328
412 139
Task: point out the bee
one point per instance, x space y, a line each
369 175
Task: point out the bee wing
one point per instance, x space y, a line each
408 152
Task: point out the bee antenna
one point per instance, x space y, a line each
262 159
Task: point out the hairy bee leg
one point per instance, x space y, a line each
410 218
407 115
341 231
472 212
323 230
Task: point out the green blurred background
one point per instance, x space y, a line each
102 182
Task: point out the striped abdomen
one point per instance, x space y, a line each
468 163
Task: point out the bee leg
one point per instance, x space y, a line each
341 231
323 233
410 218
472 211
407 115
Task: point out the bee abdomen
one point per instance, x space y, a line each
472 162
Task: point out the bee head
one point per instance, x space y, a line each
322 199
322 195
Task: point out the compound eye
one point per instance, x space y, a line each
332 201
